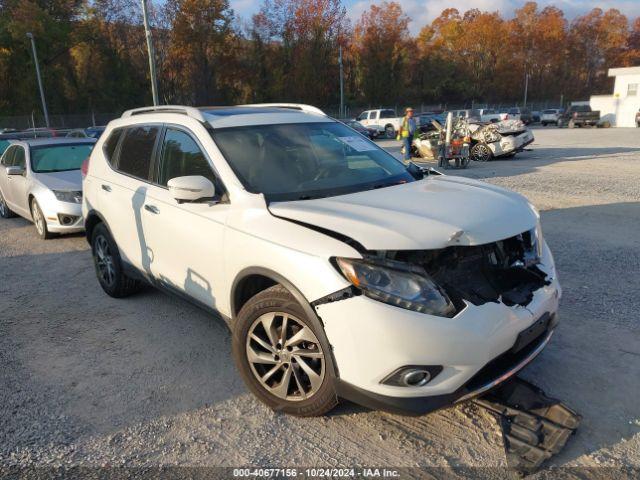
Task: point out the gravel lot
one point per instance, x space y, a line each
89 380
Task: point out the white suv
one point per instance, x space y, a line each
340 271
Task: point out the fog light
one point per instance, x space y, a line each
67 220
416 378
412 375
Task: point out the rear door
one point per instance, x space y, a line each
123 193
187 238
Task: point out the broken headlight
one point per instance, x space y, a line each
390 283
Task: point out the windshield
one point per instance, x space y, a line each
59 158
307 160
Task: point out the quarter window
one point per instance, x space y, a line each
137 149
111 143
181 156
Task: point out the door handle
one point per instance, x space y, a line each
152 209
106 188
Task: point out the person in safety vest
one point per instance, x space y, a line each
407 130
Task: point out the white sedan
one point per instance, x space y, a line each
40 180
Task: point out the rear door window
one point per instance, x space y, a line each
137 150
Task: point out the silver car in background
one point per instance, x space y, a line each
41 181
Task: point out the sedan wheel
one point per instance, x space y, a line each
5 211
39 220
481 152
285 356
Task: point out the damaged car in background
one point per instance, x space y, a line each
486 141
498 140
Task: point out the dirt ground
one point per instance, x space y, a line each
89 380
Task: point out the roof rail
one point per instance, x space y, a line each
189 111
292 106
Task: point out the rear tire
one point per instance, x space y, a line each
5 211
108 264
283 355
544 124
40 221
390 132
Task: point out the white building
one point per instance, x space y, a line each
620 108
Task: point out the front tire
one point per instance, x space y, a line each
5 211
283 355
40 221
108 264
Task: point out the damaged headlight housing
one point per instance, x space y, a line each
405 288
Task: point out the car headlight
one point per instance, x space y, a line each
68 196
405 288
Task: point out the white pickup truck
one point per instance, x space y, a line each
383 120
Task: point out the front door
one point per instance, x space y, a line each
185 240
18 200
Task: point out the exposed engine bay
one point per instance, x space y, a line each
506 271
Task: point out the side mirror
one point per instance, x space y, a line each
15 171
191 188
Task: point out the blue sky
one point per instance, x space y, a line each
423 11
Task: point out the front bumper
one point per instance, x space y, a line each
371 339
489 377
62 217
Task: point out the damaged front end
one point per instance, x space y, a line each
441 282
505 271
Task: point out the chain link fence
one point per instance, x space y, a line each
36 120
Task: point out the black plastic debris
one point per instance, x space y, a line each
534 427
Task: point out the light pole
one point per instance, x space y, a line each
152 62
35 60
342 112
526 88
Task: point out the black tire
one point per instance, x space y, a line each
278 301
481 152
389 131
5 211
544 124
40 221
105 252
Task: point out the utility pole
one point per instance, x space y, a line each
342 112
152 55
526 88
35 60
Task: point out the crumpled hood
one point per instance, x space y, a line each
69 180
434 213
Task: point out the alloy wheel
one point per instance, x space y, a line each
481 153
104 261
38 218
285 356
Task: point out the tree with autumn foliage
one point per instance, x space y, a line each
93 54
382 47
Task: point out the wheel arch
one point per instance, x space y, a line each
241 283
253 280
91 221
